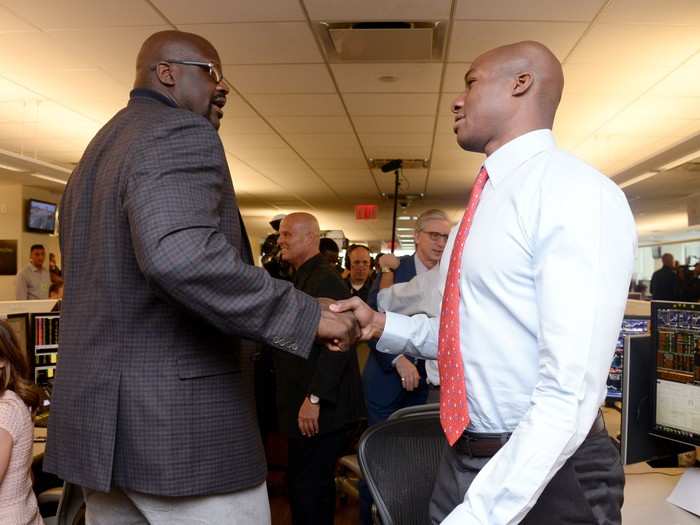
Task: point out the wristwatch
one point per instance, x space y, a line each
386 269
314 400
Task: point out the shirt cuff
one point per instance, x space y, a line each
393 339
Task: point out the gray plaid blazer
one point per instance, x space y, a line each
152 389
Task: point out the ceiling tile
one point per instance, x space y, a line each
232 125
446 100
260 43
412 181
671 12
216 12
74 14
112 49
641 45
359 10
297 105
337 164
581 10
325 146
395 124
397 145
391 104
409 78
602 78
454 77
9 23
657 116
311 124
682 82
296 78
246 141
471 39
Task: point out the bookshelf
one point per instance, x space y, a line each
44 346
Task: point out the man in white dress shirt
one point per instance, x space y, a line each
535 356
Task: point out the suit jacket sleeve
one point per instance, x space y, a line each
172 198
330 365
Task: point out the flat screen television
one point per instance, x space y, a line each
41 216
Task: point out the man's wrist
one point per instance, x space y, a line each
378 324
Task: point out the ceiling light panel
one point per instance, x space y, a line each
471 39
554 10
410 78
261 43
361 10
216 12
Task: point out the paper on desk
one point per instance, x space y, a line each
685 495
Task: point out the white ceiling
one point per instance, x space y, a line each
299 131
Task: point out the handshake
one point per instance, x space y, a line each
344 323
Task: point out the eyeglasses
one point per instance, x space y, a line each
214 72
436 236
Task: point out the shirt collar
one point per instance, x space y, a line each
35 269
149 93
420 267
508 157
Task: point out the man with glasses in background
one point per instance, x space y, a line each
392 382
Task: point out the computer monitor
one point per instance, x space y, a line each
631 325
676 339
637 444
20 326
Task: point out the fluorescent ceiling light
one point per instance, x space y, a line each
407 218
679 162
51 179
404 229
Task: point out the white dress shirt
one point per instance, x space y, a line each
419 295
544 280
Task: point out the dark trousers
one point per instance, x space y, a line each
311 477
588 489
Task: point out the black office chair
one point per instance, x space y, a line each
416 410
71 507
399 459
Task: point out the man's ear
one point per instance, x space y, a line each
523 82
164 73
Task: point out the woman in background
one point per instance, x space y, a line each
18 400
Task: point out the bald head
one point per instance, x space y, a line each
510 90
193 86
299 238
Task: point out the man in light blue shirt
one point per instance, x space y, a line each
535 357
34 280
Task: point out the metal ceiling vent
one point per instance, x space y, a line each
382 41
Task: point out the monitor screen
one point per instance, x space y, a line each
676 338
18 324
41 216
631 325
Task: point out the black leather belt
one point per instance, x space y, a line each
482 445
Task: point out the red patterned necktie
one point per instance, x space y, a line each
454 410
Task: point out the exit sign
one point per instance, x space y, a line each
364 212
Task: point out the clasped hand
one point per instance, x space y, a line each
344 323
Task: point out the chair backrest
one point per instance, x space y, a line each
71 509
415 410
399 459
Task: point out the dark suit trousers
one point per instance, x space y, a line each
588 489
311 477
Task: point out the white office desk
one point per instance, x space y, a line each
646 490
